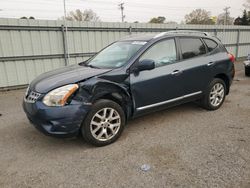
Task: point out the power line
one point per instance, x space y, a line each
148 5
107 8
132 4
121 7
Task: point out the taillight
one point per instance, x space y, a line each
231 57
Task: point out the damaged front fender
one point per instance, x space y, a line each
97 88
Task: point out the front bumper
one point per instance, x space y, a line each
62 121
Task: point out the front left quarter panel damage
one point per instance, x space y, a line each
96 88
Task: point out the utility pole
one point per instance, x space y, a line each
121 7
225 19
226 15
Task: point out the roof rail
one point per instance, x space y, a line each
189 31
181 32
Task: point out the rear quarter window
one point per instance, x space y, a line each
211 44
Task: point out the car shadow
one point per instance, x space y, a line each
33 138
163 115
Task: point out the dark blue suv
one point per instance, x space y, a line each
130 77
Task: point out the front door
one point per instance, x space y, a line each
162 85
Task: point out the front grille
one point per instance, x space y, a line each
32 97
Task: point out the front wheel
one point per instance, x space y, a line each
104 123
215 95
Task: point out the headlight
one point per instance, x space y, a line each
27 91
59 96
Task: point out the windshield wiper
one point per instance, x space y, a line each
91 66
95 67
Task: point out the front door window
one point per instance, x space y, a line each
162 53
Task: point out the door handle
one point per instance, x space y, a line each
210 63
176 72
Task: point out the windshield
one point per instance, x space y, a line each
116 55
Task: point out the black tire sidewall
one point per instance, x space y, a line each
207 104
98 105
247 71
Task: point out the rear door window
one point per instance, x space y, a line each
211 45
192 47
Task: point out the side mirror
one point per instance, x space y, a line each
146 64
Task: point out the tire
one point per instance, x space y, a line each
99 128
214 94
247 71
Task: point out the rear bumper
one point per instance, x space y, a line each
56 121
247 64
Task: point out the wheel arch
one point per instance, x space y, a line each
225 78
119 99
103 89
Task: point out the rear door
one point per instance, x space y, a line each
195 64
219 59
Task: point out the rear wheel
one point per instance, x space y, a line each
215 95
104 123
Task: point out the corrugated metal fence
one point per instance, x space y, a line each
31 47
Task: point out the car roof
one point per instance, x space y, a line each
148 37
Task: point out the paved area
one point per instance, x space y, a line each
185 146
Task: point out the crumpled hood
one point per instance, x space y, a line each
62 76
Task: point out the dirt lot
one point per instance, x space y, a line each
185 146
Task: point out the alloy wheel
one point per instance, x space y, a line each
105 124
217 94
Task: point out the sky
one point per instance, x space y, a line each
108 11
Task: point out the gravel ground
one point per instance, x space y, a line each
185 146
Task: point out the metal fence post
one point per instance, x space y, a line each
65 50
237 44
130 30
215 32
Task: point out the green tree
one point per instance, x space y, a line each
171 22
245 19
199 16
225 19
159 19
86 15
31 17
238 21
